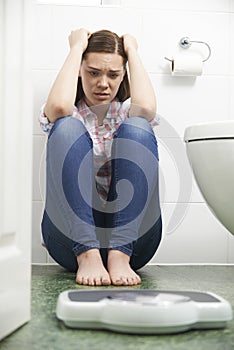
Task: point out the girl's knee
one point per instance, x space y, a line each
66 127
140 130
138 122
136 128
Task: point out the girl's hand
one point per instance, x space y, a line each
129 43
79 38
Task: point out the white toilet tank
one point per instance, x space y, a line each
210 149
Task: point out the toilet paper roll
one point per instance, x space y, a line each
187 65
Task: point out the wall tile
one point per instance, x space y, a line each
231 43
69 2
199 238
41 45
231 5
231 93
116 19
162 32
38 252
42 83
177 182
180 5
184 101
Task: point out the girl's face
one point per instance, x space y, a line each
101 74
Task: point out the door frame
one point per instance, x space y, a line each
15 163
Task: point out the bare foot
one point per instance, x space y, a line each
119 269
91 271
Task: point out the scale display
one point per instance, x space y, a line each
142 311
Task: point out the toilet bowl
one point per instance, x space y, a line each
210 150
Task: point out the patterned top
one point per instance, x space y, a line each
101 136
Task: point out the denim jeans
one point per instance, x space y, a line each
76 219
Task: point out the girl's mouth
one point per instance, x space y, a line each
101 95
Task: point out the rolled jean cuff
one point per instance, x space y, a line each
81 248
126 249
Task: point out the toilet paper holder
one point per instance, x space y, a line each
185 43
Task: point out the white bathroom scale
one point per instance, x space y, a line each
142 311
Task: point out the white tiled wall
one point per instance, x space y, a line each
191 233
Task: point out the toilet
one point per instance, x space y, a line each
210 150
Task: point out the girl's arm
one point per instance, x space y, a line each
62 96
143 100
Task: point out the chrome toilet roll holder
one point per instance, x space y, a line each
185 43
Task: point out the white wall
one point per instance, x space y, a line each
191 233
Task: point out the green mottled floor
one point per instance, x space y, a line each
44 331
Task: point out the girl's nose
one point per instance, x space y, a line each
103 82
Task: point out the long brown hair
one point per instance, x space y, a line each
110 42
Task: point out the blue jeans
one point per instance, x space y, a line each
76 219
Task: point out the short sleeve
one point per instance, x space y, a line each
43 120
155 121
124 110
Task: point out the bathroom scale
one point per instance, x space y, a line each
142 311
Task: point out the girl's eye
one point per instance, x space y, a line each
113 75
93 73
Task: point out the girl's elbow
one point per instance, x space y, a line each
54 112
145 110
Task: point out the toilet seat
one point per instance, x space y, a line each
210 131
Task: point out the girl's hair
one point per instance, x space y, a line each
106 41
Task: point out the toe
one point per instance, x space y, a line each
117 282
78 279
90 281
131 282
125 281
97 281
138 279
105 281
85 281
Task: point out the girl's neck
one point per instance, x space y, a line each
100 111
